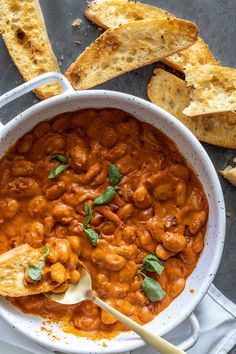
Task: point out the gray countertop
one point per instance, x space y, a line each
216 19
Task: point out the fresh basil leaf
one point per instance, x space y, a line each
46 251
92 235
35 271
153 257
88 215
57 170
153 289
114 175
106 197
62 158
153 264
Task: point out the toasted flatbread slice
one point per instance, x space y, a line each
212 89
12 267
25 35
198 54
128 47
169 92
113 13
172 94
229 173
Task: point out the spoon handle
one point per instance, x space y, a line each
155 341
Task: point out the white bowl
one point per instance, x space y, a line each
191 149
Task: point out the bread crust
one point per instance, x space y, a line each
130 46
229 173
212 89
24 33
198 54
172 94
112 13
12 268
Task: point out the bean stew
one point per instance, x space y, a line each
101 187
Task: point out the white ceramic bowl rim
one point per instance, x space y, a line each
102 98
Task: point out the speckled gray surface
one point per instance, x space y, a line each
216 20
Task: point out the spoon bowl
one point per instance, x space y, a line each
75 293
83 291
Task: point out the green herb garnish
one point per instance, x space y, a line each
35 272
46 252
92 235
59 168
114 175
62 158
106 197
153 264
88 215
152 289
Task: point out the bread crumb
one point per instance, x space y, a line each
77 42
77 22
229 214
229 173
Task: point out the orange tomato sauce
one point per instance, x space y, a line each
159 208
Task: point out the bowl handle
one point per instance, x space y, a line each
192 339
34 83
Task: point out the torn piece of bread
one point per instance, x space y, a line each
77 22
229 173
113 13
172 94
168 91
128 47
25 35
198 54
212 89
12 268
